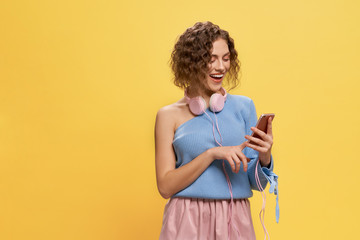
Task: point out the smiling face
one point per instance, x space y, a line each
219 65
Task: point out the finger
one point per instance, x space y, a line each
256 140
231 162
237 163
259 142
257 148
248 159
263 135
245 163
244 160
241 146
269 126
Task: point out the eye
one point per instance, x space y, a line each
226 59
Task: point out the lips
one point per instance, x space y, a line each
217 77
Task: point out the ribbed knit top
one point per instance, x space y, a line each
196 136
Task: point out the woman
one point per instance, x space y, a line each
203 162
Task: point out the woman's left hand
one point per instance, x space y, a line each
265 143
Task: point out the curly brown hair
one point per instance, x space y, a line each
192 54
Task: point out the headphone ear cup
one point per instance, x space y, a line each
216 102
197 105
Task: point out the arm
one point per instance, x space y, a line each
171 180
255 153
265 171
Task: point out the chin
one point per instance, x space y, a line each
217 88
213 86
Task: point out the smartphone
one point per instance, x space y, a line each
262 125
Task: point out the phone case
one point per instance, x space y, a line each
262 125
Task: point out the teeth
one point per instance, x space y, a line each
217 76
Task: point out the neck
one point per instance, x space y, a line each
204 93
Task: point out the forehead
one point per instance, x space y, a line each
220 47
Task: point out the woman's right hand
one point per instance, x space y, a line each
232 154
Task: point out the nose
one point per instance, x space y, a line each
220 66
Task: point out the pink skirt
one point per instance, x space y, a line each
198 219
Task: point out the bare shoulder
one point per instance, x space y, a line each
172 115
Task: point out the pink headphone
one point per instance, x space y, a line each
198 106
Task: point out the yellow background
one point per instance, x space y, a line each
81 82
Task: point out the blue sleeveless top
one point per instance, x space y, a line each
196 136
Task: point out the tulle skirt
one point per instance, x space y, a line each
198 219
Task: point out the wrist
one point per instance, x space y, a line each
210 154
267 165
265 161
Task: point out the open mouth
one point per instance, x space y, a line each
217 77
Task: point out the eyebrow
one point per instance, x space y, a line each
214 55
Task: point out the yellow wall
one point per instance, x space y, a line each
81 82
